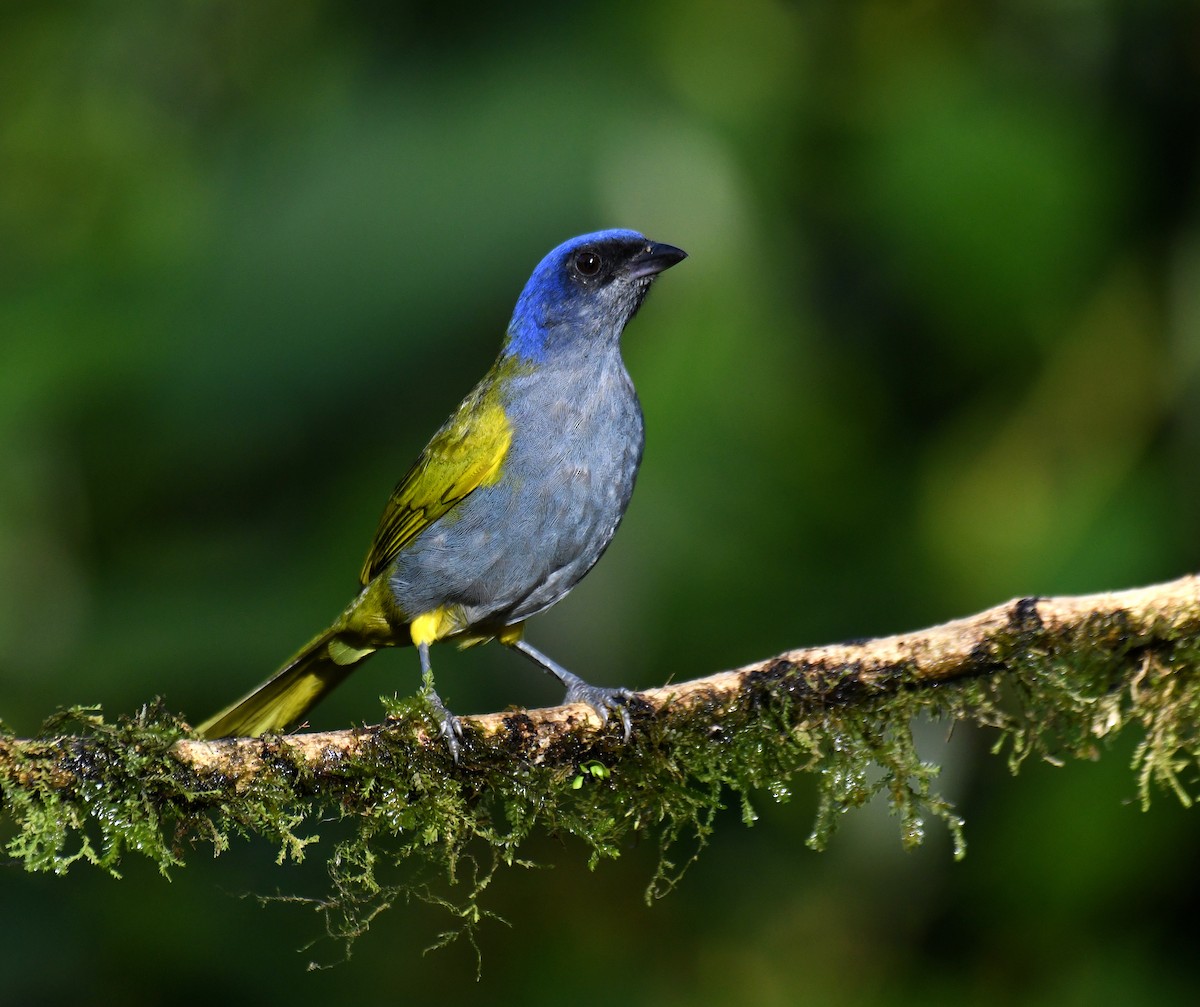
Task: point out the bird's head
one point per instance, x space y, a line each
585 291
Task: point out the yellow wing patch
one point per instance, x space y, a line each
466 453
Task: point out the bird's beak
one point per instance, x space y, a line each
655 259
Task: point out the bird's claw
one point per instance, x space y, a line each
451 730
603 702
449 726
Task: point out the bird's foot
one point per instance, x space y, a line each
449 726
603 701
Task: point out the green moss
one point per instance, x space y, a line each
416 826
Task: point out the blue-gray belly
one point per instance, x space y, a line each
512 549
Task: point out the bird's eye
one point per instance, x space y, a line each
588 263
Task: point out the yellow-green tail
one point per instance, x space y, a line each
283 700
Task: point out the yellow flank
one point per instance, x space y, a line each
435 625
511 634
466 453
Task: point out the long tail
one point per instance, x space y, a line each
284 699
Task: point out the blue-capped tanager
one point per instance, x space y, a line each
512 501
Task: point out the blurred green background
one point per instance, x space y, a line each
937 345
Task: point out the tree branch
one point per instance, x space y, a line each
1137 624
1056 676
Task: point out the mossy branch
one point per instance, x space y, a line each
1054 676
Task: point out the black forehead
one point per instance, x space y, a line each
620 248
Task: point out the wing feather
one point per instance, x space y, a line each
466 453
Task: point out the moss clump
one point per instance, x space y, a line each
416 825
86 790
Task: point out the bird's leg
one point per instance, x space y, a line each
449 727
602 700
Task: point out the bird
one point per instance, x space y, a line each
512 501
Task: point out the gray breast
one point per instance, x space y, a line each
511 550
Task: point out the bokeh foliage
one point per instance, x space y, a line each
937 344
